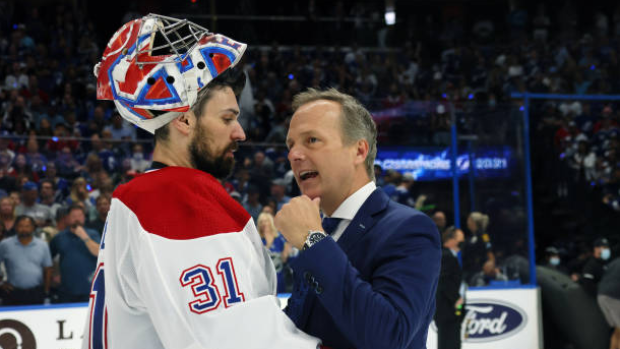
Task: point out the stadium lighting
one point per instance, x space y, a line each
390 17
390 12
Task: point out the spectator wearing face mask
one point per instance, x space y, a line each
138 161
595 267
553 260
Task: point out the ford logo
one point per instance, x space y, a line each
491 320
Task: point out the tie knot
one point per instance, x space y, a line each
330 224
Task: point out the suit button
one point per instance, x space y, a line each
308 277
319 289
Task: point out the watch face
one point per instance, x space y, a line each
315 237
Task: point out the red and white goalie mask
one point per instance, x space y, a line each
153 67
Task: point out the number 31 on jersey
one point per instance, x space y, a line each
207 296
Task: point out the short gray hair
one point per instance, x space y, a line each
355 121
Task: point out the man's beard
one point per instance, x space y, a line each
220 167
23 236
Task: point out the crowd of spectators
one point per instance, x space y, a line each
61 150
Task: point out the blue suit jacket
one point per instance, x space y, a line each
375 287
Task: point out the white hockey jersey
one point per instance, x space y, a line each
181 265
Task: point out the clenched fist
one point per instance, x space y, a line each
297 217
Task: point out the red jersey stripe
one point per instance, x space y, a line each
182 203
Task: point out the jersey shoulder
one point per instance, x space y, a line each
181 204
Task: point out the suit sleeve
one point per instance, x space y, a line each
388 310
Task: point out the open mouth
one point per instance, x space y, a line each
232 149
304 175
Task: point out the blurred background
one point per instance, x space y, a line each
440 78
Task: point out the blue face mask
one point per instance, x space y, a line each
555 261
605 254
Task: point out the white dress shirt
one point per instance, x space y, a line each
349 207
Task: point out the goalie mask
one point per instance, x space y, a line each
153 68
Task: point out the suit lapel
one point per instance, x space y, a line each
364 219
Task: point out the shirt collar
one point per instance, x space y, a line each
349 207
17 242
156 165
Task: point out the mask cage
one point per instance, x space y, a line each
173 37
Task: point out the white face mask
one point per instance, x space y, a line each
605 254
555 261
138 156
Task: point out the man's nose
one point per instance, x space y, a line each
295 154
238 134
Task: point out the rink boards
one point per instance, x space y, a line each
507 318
496 318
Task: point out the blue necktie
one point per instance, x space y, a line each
460 259
330 224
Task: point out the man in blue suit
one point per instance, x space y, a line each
368 271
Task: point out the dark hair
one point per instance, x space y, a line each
61 212
76 207
47 180
101 197
22 217
449 233
231 77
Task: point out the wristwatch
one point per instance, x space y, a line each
313 237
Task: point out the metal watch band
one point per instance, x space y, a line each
313 237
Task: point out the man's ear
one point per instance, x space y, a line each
184 123
362 150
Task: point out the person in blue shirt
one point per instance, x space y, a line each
279 249
278 192
78 249
252 202
28 264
